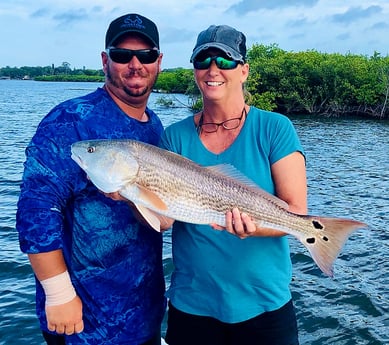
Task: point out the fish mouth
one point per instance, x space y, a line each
79 161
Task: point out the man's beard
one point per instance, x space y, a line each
128 91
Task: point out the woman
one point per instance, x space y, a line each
226 289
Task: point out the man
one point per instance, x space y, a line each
99 276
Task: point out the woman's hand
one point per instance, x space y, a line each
241 225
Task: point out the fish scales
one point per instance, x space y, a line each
177 187
174 187
186 188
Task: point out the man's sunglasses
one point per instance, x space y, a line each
121 55
221 62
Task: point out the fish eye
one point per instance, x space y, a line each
91 149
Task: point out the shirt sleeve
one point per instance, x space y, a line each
283 138
47 184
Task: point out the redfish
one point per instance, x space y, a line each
176 187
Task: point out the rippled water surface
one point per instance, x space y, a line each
348 176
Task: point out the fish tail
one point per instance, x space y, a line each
326 244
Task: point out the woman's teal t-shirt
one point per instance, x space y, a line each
216 273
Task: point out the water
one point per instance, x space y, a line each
348 175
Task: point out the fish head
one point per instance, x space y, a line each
109 164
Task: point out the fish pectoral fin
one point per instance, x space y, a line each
152 199
149 217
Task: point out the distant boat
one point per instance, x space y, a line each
5 78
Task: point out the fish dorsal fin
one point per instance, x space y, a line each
149 217
232 172
150 198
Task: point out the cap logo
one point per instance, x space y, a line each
133 23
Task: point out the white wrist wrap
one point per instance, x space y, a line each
58 289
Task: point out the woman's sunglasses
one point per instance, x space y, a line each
121 55
221 62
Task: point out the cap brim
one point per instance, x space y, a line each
141 33
224 48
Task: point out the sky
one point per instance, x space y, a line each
46 32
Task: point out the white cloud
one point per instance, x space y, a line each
42 32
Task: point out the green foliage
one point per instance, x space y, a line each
317 83
52 73
178 80
165 102
306 82
71 77
19 73
197 103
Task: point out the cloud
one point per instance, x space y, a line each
67 18
343 37
299 23
97 9
40 13
63 27
380 26
177 35
246 6
356 13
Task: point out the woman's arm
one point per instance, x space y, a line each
289 176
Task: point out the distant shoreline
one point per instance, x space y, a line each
60 78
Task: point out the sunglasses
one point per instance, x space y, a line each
121 55
221 62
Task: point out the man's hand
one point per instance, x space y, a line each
65 318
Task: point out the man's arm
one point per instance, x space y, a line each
63 306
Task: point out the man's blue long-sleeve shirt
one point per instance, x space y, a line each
115 263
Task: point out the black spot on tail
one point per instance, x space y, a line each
317 225
312 240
